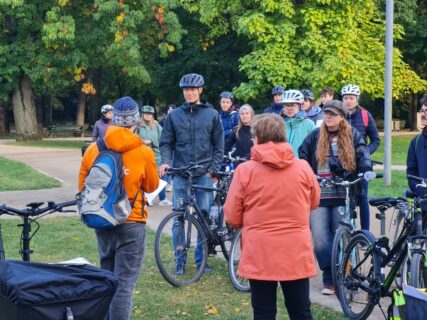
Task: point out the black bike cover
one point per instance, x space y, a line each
42 291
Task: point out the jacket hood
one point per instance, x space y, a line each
203 104
274 155
121 139
314 111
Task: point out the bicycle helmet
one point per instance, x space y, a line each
350 89
106 108
226 95
147 109
277 90
292 96
307 94
192 80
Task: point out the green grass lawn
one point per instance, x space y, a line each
18 176
63 238
399 149
398 184
50 144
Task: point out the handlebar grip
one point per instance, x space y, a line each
379 175
66 203
376 162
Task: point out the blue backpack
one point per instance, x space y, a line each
103 202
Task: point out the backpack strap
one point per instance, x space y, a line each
365 117
417 138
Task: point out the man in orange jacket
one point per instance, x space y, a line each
122 249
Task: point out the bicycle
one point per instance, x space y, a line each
33 209
347 225
187 229
362 283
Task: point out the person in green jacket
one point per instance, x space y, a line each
150 132
297 126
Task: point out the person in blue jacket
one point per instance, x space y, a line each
297 126
229 116
362 121
312 112
276 106
416 161
192 133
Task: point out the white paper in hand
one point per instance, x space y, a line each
151 196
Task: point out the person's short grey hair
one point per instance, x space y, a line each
268 127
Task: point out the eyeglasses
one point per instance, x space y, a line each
424 110
291 106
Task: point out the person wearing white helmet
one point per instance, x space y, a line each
311 111
297 126
101 125
362 120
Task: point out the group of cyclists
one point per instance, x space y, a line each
335 138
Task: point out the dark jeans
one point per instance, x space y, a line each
296 294
122 251
364 206
203 199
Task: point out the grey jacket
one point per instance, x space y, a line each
192 133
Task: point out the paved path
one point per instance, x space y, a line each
64 164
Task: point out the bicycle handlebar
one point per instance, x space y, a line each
339 182
190 166
36 211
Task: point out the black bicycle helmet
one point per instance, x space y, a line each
192 80
277 90
226 95
307 94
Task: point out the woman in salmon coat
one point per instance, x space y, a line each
271 197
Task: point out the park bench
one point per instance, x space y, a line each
76 130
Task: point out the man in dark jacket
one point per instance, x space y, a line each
192 133
363 121
417 154
276 106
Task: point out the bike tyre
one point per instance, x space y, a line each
418 276
239 283
341 239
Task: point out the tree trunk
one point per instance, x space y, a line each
3 119
81 110
412 112
24 111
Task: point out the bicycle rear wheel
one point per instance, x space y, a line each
418 267
239 283
342 236
173 252
356 276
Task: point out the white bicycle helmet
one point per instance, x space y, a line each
106 108
350 89
292 96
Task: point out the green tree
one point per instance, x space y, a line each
310 43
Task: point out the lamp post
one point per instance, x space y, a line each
388 90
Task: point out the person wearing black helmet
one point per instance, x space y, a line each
312 112
229 117
276 106
192 132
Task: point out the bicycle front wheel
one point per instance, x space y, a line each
239 283
180 249
342 236
358 288
418 276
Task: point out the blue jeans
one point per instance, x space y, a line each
364 206
203 200
122 250
324 221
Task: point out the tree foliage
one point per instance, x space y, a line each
310 43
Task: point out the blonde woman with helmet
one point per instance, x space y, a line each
241 137
150 132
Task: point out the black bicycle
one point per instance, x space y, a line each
29 215
187 235
363 282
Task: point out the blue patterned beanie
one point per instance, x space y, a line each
125 112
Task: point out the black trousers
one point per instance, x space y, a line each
296 294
